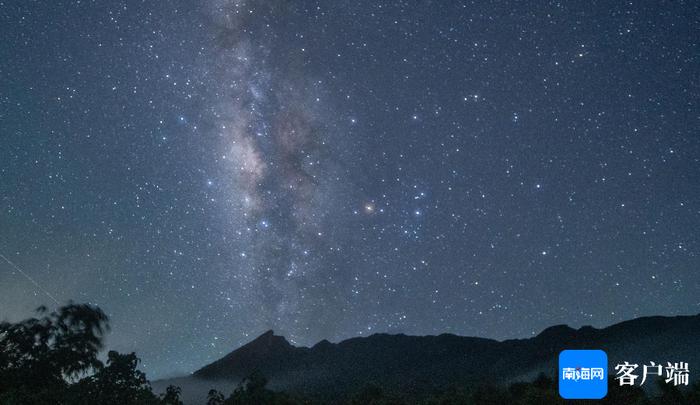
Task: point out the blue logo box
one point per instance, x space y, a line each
583 374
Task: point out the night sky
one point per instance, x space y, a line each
205 171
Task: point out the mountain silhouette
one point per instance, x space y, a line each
268 351
419 364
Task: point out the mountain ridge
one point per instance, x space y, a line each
416 364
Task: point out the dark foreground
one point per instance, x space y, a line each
53 359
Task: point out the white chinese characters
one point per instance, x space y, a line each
583 373
674 372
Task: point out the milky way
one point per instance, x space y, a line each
276 164
205 171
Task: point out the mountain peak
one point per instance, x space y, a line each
265 336
267 348
557 333
267 341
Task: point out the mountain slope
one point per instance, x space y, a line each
419 364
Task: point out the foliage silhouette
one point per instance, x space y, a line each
253 391
172 396
53 359
38 356
118 383
215 397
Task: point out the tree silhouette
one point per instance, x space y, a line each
53 360
172 396
118 383
252 391
215 397
39 355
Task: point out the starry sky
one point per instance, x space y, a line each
205 171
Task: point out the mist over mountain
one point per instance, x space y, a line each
418 365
